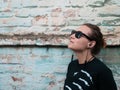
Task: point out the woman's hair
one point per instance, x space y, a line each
97 36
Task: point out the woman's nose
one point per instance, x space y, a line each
72 36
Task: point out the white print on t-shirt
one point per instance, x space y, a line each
78 85
68 87
87 75
86 82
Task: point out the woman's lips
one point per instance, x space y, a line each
71 41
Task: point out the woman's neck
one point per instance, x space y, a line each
84 57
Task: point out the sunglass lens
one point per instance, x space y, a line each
78 34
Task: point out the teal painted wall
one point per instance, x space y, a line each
44 68
33 68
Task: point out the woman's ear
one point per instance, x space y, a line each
91 44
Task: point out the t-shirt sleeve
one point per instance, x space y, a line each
106 81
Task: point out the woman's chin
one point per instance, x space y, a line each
70 47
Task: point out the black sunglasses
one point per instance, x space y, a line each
79 34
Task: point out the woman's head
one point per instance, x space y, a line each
88 36
97 36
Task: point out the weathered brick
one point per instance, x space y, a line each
42 3
110 30
112 10
80 20
6 14
106 21
10 3
15 22
57 21
22 13
96 3
91 3
39 12
3 3
70 13
56 12
113 2
6 30
87 12
15 3
111 41
36 30
31 4
40 20
77 3
113 22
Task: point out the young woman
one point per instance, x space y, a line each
87 72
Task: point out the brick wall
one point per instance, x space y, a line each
23 23
28 27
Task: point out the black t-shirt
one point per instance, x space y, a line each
94 75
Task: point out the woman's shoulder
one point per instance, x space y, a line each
101 66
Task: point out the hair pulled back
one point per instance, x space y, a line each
97 36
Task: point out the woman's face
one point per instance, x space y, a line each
80 44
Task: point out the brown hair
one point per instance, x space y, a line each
97 36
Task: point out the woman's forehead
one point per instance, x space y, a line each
84 29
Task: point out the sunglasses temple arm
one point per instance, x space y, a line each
88 37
